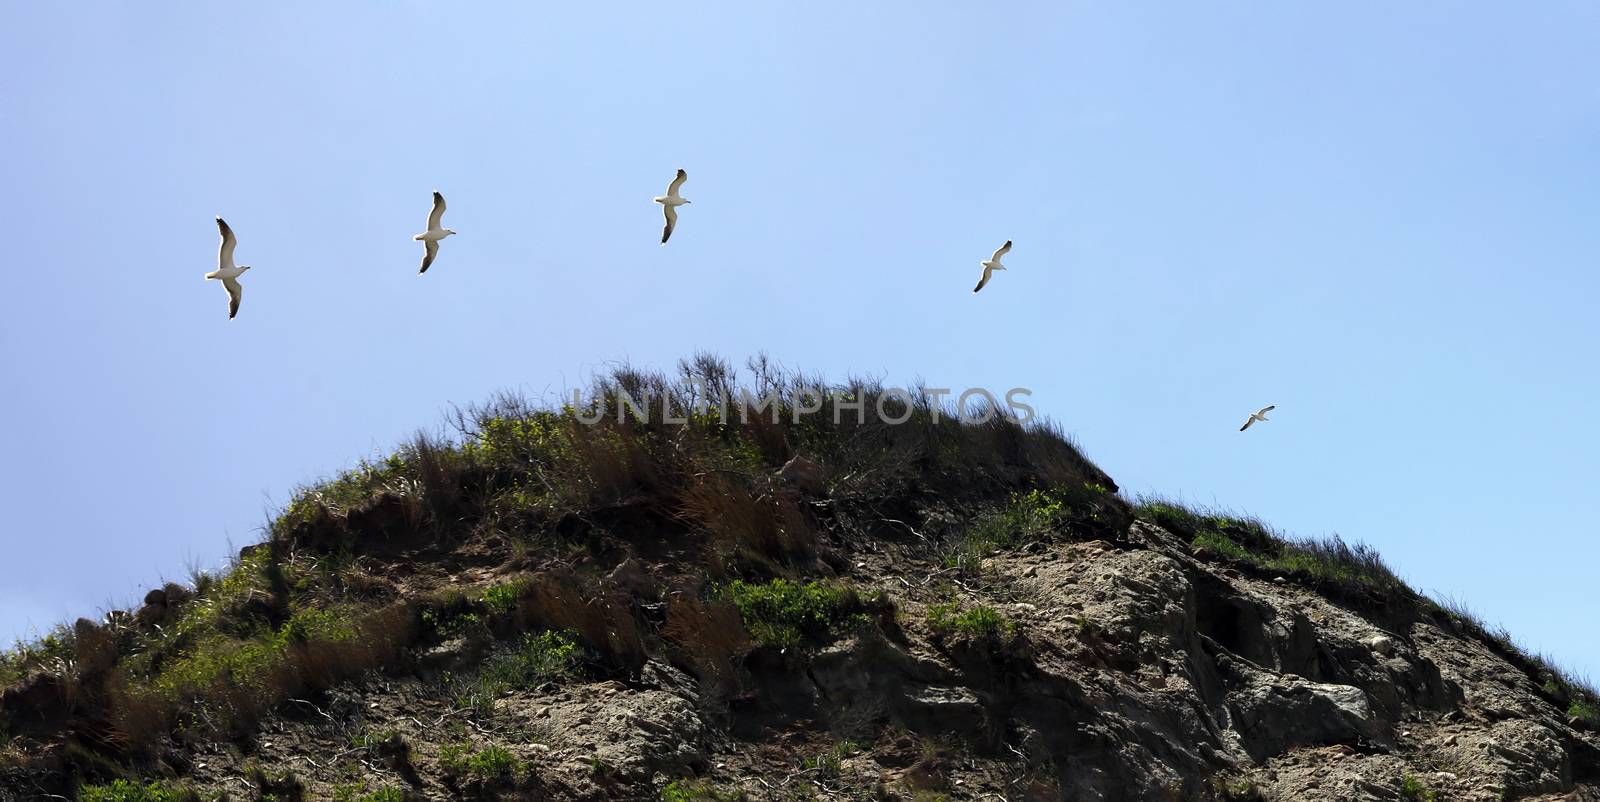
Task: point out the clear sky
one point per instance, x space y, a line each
1379 216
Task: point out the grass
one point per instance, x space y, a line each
51 653
1321 560
1037 515
124 791
979 622
493 766
300 612
1415 790
830 764
537 658
1575 694
697 791
502 599
1584 709
782 613
357 792
1333 562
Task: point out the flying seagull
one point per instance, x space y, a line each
430 238
670 203
226 271
1255 416
992 265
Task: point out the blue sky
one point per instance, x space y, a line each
1380 217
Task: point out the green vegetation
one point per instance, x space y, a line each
51 653
1039 515
1413 789
783 613
1330 560
1575 694
830 764
249 663
316 604
493 766
537 658
978 622
502 599
697 791
533 660
1584 709
124 791
357 792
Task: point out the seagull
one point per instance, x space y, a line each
226 271
992 265
1255 416
430 238
669 203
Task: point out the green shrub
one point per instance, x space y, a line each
1035 516
1584 709
549 655
249 663
783 613
502 599
490 765
829 764
980 622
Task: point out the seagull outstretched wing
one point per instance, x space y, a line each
672 220
436 213
987 272
225 251
430 249
235 293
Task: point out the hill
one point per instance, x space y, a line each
851 595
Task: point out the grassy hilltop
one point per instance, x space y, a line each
800 601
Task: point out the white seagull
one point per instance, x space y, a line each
992 265
670 203
226 271
1255 416
430 238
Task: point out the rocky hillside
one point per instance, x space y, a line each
821 607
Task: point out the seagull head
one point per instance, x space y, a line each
243 268
449 231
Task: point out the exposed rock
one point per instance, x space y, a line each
1278 714
806 476
1130 668
37 705
454 654
1382 644
631 576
